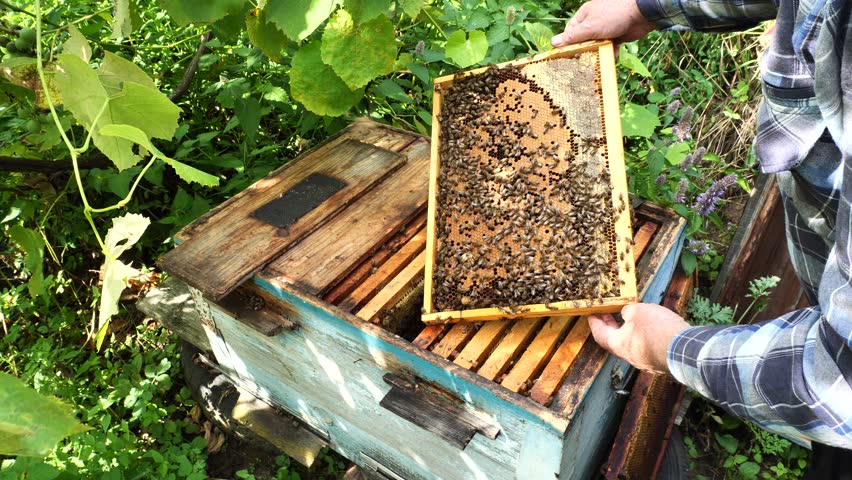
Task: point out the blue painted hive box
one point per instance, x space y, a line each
308 289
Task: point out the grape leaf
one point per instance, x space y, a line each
139 105
77 44
33 247
114 70
358 53
298 18
541 35
411 7
31 423
366 10
207 11
184 171
264 35
123 234
466 50
637 121
317 87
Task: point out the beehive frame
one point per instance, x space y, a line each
619 244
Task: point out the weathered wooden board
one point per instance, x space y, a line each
314 264
383 274
229 246
355 278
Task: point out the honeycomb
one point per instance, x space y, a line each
525 206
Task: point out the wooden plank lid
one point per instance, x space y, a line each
231 243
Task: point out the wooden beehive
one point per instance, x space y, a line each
307 289
528 195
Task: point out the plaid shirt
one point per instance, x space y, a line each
792 375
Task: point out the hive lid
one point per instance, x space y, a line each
223 248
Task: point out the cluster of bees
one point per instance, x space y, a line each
525 210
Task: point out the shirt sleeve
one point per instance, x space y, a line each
707 16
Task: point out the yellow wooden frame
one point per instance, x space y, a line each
612 123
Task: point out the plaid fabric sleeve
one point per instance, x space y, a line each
707 16
778 374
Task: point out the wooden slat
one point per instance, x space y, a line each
509 348
394 290
532 361
395 264
458 335
220 258
576 307
351 281
474 352
643 238
428 336
560 363
345 241
617 170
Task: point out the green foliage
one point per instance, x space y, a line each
467 49
30 423
32 245
330 96
725 447
701 311
372 42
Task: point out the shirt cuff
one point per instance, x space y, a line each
683 354
659 12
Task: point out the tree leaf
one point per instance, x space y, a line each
411 7
264 35
358 53
632 62
207 11
637 121
688 262
248 114
541 35
677 153
184 171
32 245
31 424
749 470
123 234
138 105
114 70
317 87
727 441
466 50
77 44
298 18
366 10
387 88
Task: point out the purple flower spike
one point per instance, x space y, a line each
706 202
680 193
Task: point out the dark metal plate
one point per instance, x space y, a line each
299 200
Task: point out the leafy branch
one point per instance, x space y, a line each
105 102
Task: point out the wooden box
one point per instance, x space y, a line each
528 194
314 307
